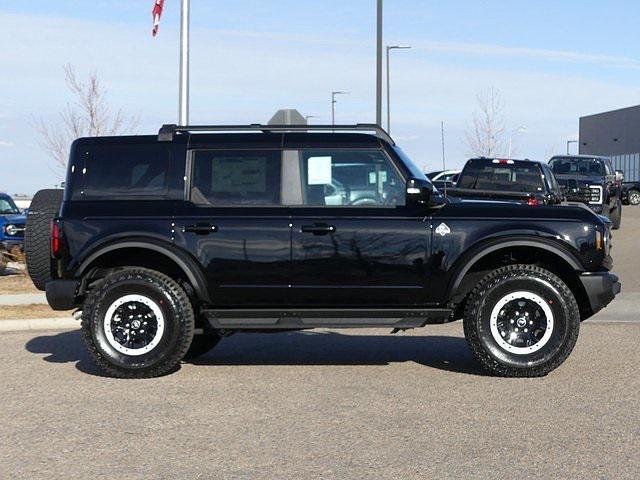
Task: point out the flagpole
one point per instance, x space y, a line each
184 64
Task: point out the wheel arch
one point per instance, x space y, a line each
141 253
555 257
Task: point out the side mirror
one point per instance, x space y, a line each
419 192
619 176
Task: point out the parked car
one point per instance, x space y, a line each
169 243
444 179
522 181
590 180
631 193
12 223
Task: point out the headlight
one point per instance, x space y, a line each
595 194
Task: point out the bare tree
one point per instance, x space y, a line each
89 115
485 136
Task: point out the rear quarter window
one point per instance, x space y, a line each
123 172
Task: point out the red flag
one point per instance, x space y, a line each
157 13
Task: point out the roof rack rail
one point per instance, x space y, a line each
167 132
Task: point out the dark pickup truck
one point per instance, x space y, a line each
631 193
168 243
590 180
522 181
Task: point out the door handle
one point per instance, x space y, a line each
318 229
200 229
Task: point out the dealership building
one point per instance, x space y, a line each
614 134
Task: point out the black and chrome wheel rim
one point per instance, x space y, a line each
134 325
522 323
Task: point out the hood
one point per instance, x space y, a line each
17 218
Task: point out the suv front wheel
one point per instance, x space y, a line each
521 321
137 323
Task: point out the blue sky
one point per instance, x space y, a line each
552 62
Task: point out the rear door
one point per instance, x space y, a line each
354 243
234 223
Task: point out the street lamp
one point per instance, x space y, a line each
389 48
569 142
333 105
309 117
521 128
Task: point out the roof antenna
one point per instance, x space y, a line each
444 163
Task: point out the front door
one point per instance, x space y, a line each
235 225
354 243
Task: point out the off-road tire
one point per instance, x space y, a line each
37 239
616 216
498 285
201 345
178 319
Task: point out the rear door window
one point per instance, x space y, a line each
121 172
236 177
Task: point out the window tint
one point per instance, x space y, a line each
237 177
125 171
486 175
7 207
350 178
577 166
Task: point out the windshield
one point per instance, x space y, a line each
515 177
7 207
577 166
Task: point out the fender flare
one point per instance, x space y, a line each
480 251
189 266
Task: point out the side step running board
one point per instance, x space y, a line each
307 318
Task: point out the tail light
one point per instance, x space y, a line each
55 239
533 202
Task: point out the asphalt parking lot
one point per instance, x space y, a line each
331 404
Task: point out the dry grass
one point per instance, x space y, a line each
16 283
18 312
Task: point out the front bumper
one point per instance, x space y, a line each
62 294
601 288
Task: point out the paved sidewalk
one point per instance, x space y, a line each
24 299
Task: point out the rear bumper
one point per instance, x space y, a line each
601 288
61 294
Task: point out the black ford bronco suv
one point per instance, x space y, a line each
168 243
590 180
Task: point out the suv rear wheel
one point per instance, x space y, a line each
137 323
521 321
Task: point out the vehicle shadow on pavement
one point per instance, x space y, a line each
333 348
294 348
64 347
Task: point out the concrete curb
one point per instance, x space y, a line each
26 325
23 299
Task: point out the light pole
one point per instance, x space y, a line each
569 142
389 48
333 105
184 64
521 128
379 28
309 117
